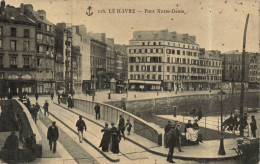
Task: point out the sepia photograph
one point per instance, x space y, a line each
129 81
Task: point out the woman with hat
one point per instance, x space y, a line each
114 139
105 139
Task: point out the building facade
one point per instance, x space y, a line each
17 52
45 48
211 69
163 60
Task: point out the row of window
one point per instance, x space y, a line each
13 32
13 45
96 61
173 77
155 68
13 61
150 43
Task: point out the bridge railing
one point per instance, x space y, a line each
111 114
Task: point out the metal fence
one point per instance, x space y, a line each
111 114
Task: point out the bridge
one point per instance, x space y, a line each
143 145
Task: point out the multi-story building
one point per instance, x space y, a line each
17 52
253 82
111 61
163 60
121 63
211 69
98 63
232 67
45 50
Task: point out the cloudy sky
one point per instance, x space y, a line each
217 24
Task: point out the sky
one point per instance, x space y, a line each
217 24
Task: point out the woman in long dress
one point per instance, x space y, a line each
105 139
114 139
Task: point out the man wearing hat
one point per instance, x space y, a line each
80 126
172 137
52 136
253 126
178 133
121 126
167 128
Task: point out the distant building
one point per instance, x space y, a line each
211 67
163 60
45 48
232 68
18 60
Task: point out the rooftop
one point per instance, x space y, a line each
163 35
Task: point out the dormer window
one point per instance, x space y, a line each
41 17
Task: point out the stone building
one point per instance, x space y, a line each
45 48
163 60
17 52
211 69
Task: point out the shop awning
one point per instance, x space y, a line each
153 82
137 81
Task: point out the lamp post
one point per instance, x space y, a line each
221 150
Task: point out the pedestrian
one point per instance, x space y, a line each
105 139
115 139
70 102
128 126
171 142
46 108
58 98
253 126
11 143
34 113
36 96
81 126
52 136
196 127
167 128
121 126
37 106
97 111
179 136
199 114
52 95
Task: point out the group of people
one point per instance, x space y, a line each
111 137
192 131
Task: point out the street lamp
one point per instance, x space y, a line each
221 150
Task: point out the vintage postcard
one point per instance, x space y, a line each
129 81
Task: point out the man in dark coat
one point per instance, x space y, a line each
80 126
34 113
105 139
178 133
121 126
46 108
52 95
52 136
171 142
97 111
166 130
11 143
253 126
115 139
36 96
70 102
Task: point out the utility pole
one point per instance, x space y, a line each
243 77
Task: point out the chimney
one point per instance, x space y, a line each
3 4
22 8
42 14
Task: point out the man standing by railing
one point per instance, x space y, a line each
121 126
97 111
